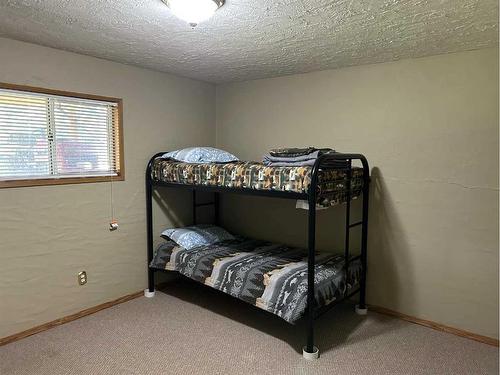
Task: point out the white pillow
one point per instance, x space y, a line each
197 235
201 155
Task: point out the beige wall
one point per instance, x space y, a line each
48 234
429 128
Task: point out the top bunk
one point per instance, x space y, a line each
331 180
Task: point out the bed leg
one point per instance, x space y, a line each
310 352
361 308
150 291
148 294
310 356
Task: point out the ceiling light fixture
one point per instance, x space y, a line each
194 11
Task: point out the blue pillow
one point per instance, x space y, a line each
201 155
197 235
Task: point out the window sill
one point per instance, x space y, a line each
59 181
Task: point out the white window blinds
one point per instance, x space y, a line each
49 136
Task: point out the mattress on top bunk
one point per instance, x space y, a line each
253 175
270 276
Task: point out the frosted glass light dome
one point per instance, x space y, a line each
194 11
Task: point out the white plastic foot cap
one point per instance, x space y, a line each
361 311
310 356
149 294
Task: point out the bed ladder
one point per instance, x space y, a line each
214 203
361 308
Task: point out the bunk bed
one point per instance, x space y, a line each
326 281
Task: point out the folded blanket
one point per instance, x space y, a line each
282 161
291 152
302 163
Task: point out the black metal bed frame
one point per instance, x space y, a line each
332 160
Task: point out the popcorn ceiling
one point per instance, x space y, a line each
254 39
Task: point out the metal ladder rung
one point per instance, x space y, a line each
355 258
355 224
204 204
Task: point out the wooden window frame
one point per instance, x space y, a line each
71 180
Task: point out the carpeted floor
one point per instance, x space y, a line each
190 329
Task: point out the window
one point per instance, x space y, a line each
53 137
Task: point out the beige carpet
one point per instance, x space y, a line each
193 330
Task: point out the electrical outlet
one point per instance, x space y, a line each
82 278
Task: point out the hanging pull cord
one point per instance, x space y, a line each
113 223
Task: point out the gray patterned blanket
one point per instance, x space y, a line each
270 276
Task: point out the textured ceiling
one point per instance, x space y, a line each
249 39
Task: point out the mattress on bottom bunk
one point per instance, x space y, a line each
252 175
270 276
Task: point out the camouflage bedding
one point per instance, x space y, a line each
253 175
270 276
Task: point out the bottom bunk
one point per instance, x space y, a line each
270 276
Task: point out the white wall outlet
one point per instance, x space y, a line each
82 278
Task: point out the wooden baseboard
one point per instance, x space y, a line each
67 319
436 326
